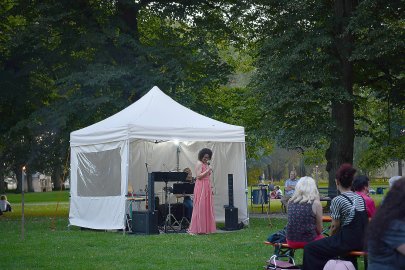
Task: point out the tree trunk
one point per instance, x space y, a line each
56 179
399 167
2 183
18 176
342 140
269 172
29 182
128 11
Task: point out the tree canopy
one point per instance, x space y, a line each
301 74
65 65
317 61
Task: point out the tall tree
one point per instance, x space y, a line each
307 74
69 64
379 63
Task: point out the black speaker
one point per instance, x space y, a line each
230 189
231 218
144 222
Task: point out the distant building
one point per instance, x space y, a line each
391 169
41 182
11 183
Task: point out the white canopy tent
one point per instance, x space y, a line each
153 134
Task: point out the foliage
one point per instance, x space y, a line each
295 78
378 26
254 175
66 65
315 58
380 133
315 156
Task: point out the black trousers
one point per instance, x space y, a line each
318 253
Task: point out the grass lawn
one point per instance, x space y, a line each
73 248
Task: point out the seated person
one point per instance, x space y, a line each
304 214
5 206
349 221
276 193
289 188
187 200
360 186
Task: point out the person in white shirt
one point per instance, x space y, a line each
5 206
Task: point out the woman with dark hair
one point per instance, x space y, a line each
386 232
349 219
203 218
360 186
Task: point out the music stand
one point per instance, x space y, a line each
166 177
169 216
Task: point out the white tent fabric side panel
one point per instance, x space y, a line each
228 158
98 185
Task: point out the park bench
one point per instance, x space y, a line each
324 192
284 250
357 254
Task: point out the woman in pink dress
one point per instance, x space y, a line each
203 218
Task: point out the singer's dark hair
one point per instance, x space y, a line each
204 152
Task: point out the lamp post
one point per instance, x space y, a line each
316 175
22 201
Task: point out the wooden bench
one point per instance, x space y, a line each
363 254
284 250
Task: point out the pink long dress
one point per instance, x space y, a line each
203 218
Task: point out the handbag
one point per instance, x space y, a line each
339 265
275 264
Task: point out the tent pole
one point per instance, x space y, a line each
178 158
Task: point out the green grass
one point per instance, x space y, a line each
41 204
72 248
50 244
35 197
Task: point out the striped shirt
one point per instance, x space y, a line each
341 209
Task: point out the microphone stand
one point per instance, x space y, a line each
178 158
146 190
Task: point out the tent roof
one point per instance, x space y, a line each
156 116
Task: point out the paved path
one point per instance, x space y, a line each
42 203
265 215
274 215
